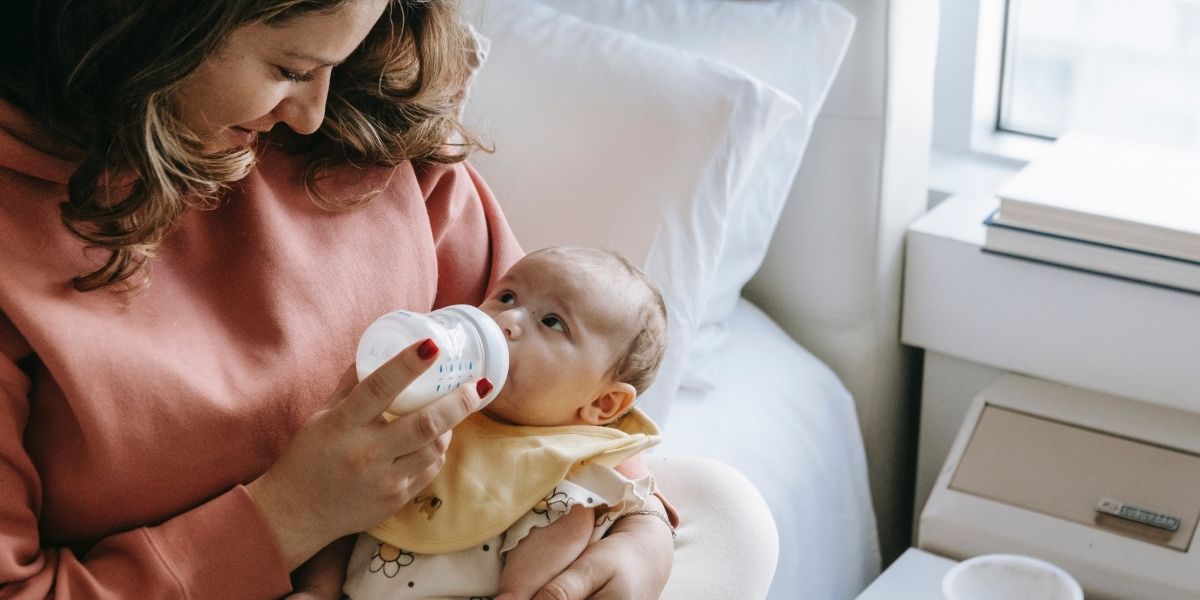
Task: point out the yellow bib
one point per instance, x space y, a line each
495 473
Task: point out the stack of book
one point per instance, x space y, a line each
1122 210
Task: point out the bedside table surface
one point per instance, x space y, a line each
916 575
1090 331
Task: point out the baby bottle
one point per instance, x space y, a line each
470 346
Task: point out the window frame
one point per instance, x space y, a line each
1004 73
970 154
969 73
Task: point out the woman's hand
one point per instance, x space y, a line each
347 468
632 562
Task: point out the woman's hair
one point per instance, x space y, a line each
101 76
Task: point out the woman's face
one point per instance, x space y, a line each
270 74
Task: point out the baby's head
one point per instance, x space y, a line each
586 332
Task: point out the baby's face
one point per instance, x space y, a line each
564 330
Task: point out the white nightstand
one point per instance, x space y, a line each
916 575
978 315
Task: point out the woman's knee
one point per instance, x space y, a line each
727 545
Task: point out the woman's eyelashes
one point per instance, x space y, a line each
296 77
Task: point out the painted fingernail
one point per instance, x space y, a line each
483 386
427 349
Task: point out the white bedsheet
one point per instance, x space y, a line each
784 419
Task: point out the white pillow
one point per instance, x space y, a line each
604 139
795 46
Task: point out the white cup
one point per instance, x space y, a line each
470 345
1008 577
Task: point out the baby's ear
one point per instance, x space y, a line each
606 407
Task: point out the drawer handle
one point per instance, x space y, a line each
1137 514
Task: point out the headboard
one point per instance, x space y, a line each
832 277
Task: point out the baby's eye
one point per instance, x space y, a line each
554 323
506 297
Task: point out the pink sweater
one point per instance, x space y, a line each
127 430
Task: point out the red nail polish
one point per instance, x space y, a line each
427 349
483 387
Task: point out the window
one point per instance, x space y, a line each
1012 75
1113 67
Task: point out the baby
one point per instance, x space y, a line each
530 482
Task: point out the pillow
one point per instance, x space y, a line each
795 46
604 139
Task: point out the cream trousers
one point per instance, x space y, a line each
727 544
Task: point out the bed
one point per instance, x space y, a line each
807 459
760 161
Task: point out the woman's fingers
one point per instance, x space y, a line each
416 470
367 400
344 386
632 562
580 581
410 432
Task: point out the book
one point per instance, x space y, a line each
1092 257
1125 195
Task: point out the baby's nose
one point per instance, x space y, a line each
510 322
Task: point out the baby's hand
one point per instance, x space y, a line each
322 576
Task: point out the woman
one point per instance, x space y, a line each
202 204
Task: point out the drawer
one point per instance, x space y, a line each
1065 471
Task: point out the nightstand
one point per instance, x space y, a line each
916 575
978 315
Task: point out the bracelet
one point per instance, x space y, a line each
646 511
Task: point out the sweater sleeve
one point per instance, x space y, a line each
220 549
474 244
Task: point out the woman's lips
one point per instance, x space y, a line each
243 136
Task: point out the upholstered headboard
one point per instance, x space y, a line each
832 277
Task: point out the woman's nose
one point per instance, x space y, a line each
304 109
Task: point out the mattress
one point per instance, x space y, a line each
783 418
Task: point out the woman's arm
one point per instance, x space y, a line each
545 553
632 562
219 549
474 245
345 470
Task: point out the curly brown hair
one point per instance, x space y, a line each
100 75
